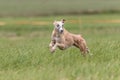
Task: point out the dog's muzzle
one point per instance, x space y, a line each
61 31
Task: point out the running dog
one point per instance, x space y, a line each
63 39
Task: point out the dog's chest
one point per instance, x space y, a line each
58 39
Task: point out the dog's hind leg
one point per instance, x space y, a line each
81 44
88 51
84 49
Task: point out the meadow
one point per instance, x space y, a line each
24 52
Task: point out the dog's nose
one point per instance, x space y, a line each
61 31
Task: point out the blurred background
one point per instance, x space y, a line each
57 7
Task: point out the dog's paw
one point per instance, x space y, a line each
90 54
52 50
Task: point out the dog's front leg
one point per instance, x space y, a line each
61 46
51 45
52 49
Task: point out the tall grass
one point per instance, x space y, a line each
26 56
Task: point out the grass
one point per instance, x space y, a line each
24 53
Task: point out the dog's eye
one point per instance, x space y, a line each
57 25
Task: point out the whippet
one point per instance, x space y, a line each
63 39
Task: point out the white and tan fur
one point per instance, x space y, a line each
63 39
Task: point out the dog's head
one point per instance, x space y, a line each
59 25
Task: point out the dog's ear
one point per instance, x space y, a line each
63 20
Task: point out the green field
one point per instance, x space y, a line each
24 53
51 7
